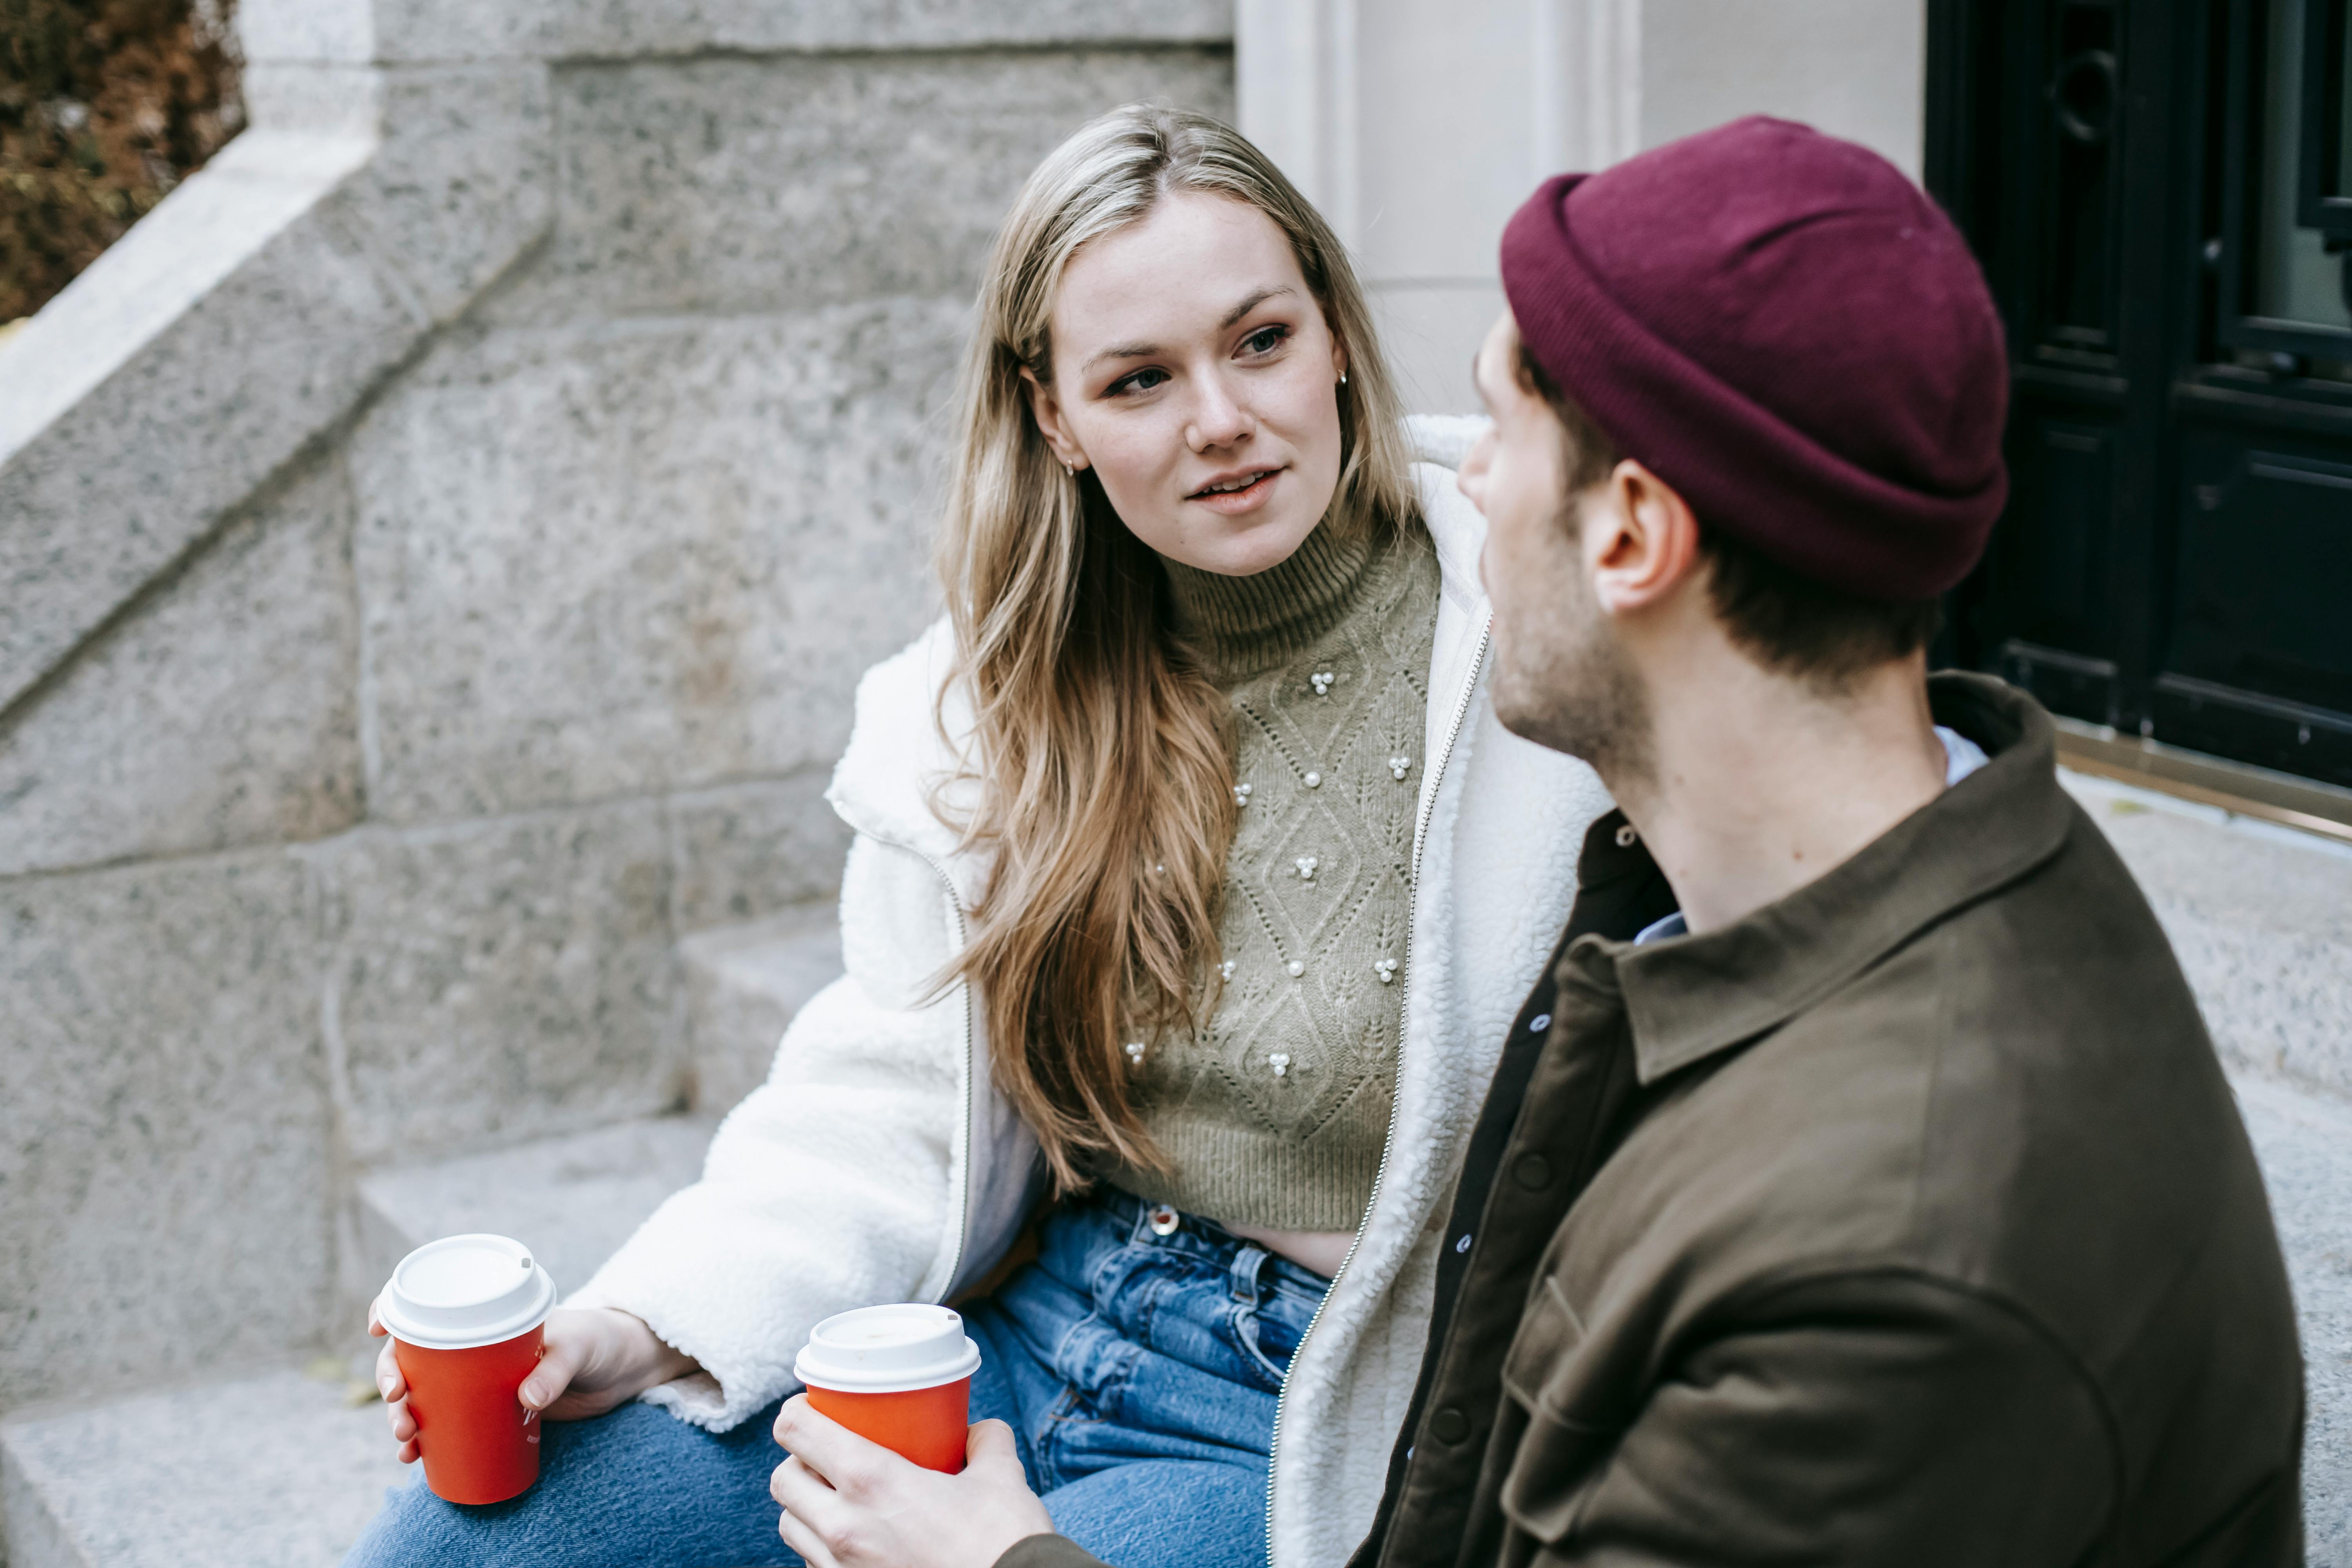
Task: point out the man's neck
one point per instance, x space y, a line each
1756 785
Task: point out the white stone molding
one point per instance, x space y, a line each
1586 60
1417 131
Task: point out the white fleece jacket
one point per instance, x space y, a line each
877 1162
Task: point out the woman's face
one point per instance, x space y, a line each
1195 375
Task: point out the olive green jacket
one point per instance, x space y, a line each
1908 1220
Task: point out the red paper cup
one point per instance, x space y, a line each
897 1375
466 1315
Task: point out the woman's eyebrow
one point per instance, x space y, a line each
1146 351
1251 302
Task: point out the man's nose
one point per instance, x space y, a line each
1472 479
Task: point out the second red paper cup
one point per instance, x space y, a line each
897 1375
466 1315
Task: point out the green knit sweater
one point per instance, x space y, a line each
1273 1111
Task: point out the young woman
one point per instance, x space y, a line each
1193 887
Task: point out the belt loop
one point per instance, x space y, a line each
1243 1278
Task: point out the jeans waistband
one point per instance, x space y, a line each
1202 1238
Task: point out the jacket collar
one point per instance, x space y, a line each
1690 997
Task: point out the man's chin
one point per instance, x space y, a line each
1531 720
1604 728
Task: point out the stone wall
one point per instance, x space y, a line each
436 550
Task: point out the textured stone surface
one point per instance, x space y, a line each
549 29
246 314
221 712
743 985
2304 1143
125 432
752 850
270 1471
610 561
501 980
785 183
571 1200
163 1125
2261 918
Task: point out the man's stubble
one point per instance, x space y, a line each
1563 681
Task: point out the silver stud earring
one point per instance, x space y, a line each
1343 378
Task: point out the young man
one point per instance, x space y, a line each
1884 1203
1860 1188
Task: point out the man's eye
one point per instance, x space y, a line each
1138 381
1266 340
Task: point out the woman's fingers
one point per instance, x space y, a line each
403 1424
388 1381
558 1364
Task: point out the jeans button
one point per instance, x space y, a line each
1449 1425
1164 1220
1533 1171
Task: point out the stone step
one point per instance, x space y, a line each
277 1470
573 1200
2261 918
2304 1143
743 985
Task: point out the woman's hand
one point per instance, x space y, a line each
849 1503
592 1359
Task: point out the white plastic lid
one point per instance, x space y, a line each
466 1290
887 1350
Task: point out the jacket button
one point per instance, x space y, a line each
1449 1425
1533 1171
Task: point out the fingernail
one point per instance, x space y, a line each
532 1395
384 1386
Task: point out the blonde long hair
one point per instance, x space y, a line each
1100 748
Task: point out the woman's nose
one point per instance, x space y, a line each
1218 417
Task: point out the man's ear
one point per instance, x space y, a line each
1046 409
1641 541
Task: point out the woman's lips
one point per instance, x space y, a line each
1249 498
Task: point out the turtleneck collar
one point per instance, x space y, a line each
1246 625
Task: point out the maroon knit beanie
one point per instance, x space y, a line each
1780 326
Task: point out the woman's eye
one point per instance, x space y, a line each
1266 340
1138 381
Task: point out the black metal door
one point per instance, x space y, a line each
2162 194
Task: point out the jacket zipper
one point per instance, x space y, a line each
955 907
1388 1142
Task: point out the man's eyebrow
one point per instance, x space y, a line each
1145 351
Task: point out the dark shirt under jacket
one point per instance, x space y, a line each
1907 1221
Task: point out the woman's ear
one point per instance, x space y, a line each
1046 409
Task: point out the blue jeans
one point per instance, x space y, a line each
1139 1373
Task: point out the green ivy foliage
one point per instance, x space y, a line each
105 105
